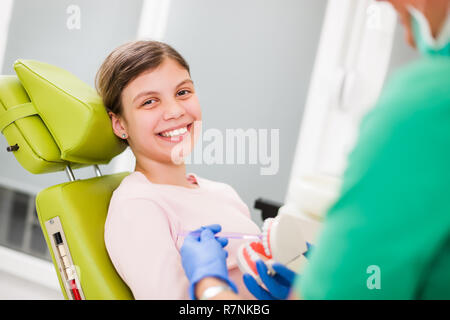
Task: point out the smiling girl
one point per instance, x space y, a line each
148 92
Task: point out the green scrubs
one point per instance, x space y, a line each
388 234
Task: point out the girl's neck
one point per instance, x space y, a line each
164 173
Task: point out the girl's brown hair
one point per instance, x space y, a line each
127 62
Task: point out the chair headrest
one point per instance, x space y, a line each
55 119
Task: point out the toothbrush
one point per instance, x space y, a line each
229 235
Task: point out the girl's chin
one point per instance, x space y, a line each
174 152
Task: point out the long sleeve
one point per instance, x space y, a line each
140 243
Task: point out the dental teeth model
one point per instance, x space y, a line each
282 242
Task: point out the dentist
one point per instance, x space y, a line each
388 234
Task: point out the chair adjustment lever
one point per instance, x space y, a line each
12 148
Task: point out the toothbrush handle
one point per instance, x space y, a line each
229 235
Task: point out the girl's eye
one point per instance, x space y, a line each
147 102
183 92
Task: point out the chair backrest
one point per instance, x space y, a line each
53 121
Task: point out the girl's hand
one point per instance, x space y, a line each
203 256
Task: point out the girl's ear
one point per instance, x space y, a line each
118 124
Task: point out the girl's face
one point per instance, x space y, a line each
159 110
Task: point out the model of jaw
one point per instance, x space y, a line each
282 242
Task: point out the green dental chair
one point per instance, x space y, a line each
52 122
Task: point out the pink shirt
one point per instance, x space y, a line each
142 226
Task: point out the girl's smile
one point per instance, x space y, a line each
176 134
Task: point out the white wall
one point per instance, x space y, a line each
361 45
17 288
251 62
26 277
38 30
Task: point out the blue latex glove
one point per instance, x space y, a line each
309 247
279 285
203 256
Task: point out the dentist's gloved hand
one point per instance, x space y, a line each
279 285
203 256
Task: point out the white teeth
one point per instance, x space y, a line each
175 132
253 255
265 242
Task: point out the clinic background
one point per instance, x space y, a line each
251 62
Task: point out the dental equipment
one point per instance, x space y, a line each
228 235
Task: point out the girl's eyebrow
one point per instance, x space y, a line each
144 93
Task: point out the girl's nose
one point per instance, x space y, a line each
173 111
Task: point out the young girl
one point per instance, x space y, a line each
150 97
